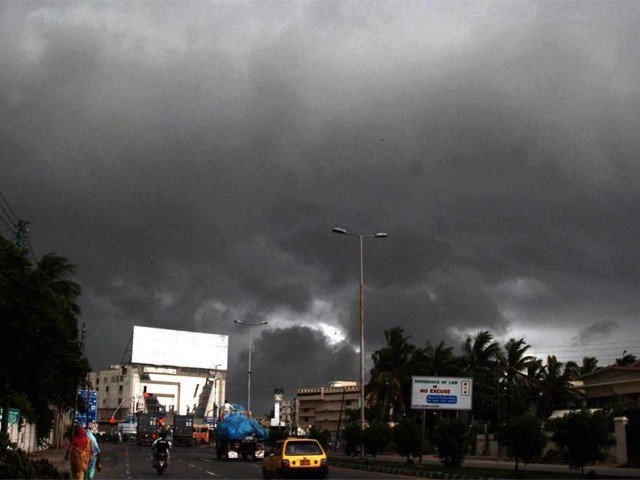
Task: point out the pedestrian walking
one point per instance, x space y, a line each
79 451
94 463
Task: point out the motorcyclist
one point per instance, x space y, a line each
161 446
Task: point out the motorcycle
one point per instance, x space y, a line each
160 462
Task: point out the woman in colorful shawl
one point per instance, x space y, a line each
80 451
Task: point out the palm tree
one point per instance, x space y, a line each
589 365
481 351
555 386
437 360
626 359
513 363
391 374
481 356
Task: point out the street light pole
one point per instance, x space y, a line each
249 325
361 238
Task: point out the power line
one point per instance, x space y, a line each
15 217
9 227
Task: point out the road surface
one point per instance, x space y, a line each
130 461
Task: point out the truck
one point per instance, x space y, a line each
147 428
237 435
183 430
128 430
201 433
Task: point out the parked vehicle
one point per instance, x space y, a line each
239 436
296 458
183 430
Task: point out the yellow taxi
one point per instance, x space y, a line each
295 458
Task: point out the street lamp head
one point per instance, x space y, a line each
339 230
381 235
263 323
237 321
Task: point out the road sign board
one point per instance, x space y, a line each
14 415
441 393
91 415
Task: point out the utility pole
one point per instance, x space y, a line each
22 241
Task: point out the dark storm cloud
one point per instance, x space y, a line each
192 158
597 331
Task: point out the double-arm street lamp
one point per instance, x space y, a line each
240 322
361 237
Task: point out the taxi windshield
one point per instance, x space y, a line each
303 448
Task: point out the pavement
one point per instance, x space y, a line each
484 462
55 457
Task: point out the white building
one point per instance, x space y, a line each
179 372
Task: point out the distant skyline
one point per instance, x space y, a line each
191 158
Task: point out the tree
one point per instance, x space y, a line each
352 437
481 355
376 437
450 438
42 362
555 388
626 359
437 360
589 365
582 437
390 383
523 438
513 363
323 436
408 438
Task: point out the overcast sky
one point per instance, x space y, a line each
191 159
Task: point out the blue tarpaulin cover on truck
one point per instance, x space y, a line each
236 426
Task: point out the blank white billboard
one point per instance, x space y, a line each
177 348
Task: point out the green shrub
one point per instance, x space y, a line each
407 436
451 440
523 438
14 463
582 437
323 436
376 437
351 436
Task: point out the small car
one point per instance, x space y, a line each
296 458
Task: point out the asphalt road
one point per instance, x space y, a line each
129 461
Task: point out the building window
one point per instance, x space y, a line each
120 388
97 380
107 388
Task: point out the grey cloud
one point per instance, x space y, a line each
597 331
203 152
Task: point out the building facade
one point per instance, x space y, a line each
325 408
124 390
602 386
171 372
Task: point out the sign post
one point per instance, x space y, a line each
89 398
440 393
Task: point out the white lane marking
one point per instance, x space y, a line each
127 471
191 465
211 473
